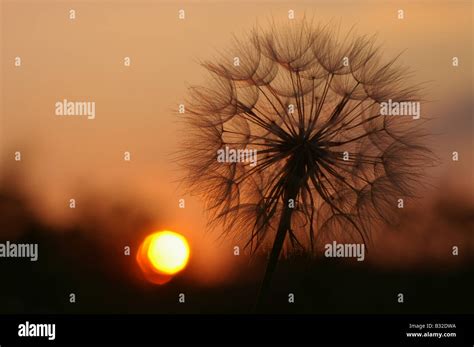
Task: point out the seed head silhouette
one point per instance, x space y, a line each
330 166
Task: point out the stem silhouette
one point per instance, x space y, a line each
283 228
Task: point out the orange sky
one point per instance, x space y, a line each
82 59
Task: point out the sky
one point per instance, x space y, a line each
136 105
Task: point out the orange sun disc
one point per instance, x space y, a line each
162 255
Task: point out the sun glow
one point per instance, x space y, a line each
162 255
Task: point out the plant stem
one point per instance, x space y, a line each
283 227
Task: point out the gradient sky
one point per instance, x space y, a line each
82 59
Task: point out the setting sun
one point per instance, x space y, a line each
162 255
168 252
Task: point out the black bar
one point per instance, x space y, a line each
256 329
